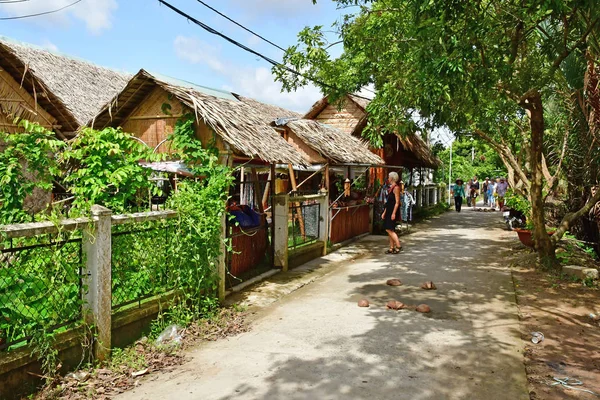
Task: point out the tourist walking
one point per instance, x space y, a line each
484 189
501 188
392 213
474 191
458 191
468 192
491 194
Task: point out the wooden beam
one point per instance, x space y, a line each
265 197
147 117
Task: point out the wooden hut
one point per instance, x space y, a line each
149 107
59 92
350 116
324 144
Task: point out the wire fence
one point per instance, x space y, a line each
141 262
304 224
40 287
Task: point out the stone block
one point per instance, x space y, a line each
580 272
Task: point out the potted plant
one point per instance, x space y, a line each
522 205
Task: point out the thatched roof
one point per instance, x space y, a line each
421 154
72 90
240 126
332 143
268 111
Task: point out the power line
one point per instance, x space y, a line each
240 25
248 49
42 13
13 1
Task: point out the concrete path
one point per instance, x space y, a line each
315 343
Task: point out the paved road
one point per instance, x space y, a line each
317 344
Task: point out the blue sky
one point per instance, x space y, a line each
131 34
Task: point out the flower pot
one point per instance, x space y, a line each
526 236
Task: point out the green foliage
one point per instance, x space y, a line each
197 241
102 167
27 162
485 163
517 202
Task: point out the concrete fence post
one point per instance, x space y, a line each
222 260
98 299
324 221
281 209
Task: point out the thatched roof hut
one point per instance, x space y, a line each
331 144
409 151
150 105
72 91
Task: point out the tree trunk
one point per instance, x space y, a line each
543 245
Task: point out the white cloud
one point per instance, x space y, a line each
47 44
196 51
97 14
257 83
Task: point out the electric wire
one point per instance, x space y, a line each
248 49
240 25
41 13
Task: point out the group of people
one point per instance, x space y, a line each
493 191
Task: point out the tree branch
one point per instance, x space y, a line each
567 52
570 218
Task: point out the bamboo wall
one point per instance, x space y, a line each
17 102
149 123
345 119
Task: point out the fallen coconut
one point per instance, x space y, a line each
394 282
429 285
395 305
423 308
363 303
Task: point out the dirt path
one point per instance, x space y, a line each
317 344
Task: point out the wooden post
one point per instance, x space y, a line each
270 187
242 185
327 178
222 263
297 205
257 196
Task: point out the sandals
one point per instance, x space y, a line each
394 250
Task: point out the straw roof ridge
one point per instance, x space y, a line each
269 111
81 87
239 125
333 143
415 144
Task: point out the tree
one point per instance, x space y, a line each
483 67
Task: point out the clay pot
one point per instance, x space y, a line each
429 285
395 305
363 303
423 308
394 282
